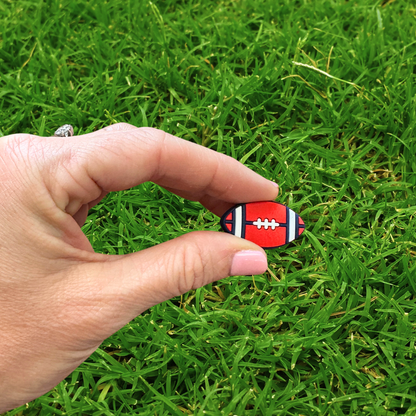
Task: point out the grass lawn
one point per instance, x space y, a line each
318 95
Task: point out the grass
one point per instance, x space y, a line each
330 329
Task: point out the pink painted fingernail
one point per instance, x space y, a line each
275 185
248 262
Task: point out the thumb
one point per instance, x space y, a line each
132 283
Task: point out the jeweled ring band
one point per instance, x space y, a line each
64 131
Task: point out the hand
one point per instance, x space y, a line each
59 300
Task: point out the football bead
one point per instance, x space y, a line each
268 224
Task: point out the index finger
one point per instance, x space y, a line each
123 156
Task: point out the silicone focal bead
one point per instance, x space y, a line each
268 224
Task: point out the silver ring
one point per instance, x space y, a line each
64 131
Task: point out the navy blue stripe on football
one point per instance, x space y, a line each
243 214
287 227
296 225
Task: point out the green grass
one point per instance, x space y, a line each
331 329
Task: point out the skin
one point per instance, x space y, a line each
59 296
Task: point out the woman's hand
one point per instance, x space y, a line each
58 299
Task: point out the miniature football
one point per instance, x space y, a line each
268 224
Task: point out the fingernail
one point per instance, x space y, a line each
248 262
275 184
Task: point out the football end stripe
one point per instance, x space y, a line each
238 221
292 225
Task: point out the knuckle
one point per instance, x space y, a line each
120 127
193 267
